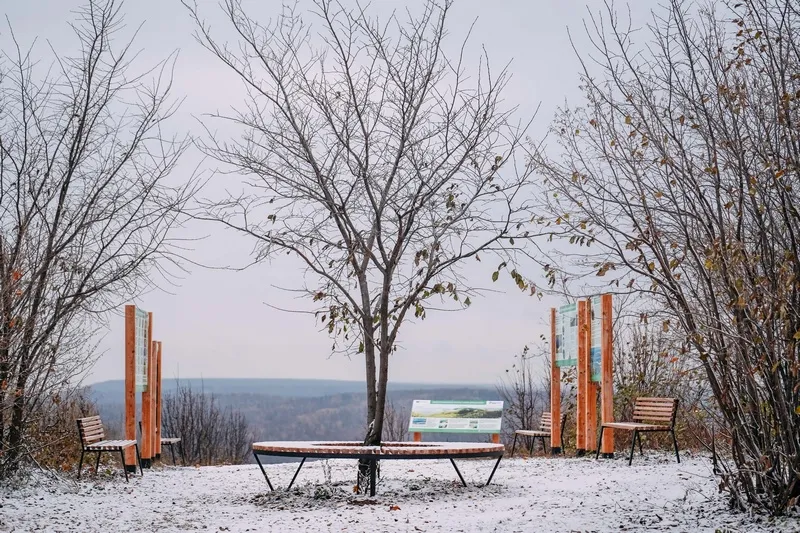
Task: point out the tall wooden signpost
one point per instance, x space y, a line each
581 336
142 374
607 375
583 379
555 388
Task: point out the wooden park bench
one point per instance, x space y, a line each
171 442
90 431
649 415
544 431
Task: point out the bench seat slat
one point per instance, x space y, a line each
170 440
532 433
110 445
636 425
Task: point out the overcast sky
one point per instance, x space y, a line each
215 323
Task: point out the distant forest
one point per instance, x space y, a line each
289 410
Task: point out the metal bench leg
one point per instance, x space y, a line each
458 472
97 463
633 444
514 445
183 453
80 464
639 438
172 451
599 442
124 468
138 459
494 470
295 474
373 467
544 445
263 471
675 443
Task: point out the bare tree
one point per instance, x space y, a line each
681 171
396 422
85 212
210 434
375 160
523 391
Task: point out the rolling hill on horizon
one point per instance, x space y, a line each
291 387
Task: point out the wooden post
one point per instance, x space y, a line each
130 384
151 376
417 436
591 391
147 401
607 379
580 445
158 401
555 390
496 438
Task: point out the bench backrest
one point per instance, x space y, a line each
431 416
546 422
90 430
658 410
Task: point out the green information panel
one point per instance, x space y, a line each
597 336
428 416
141 337
567 335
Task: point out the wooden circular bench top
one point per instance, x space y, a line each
388 450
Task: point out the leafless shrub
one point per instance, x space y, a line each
396 422
524 393
210 434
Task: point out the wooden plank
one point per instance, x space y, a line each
146 450
151 374
655 411
655 399
591 417
158 400
583 381
555 390
591 390
130 382
607 373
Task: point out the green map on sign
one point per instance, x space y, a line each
469 416
567 335
140 336
597 336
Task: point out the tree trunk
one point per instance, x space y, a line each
16 430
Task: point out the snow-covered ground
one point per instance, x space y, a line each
530 495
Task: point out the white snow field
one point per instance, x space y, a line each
527 495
